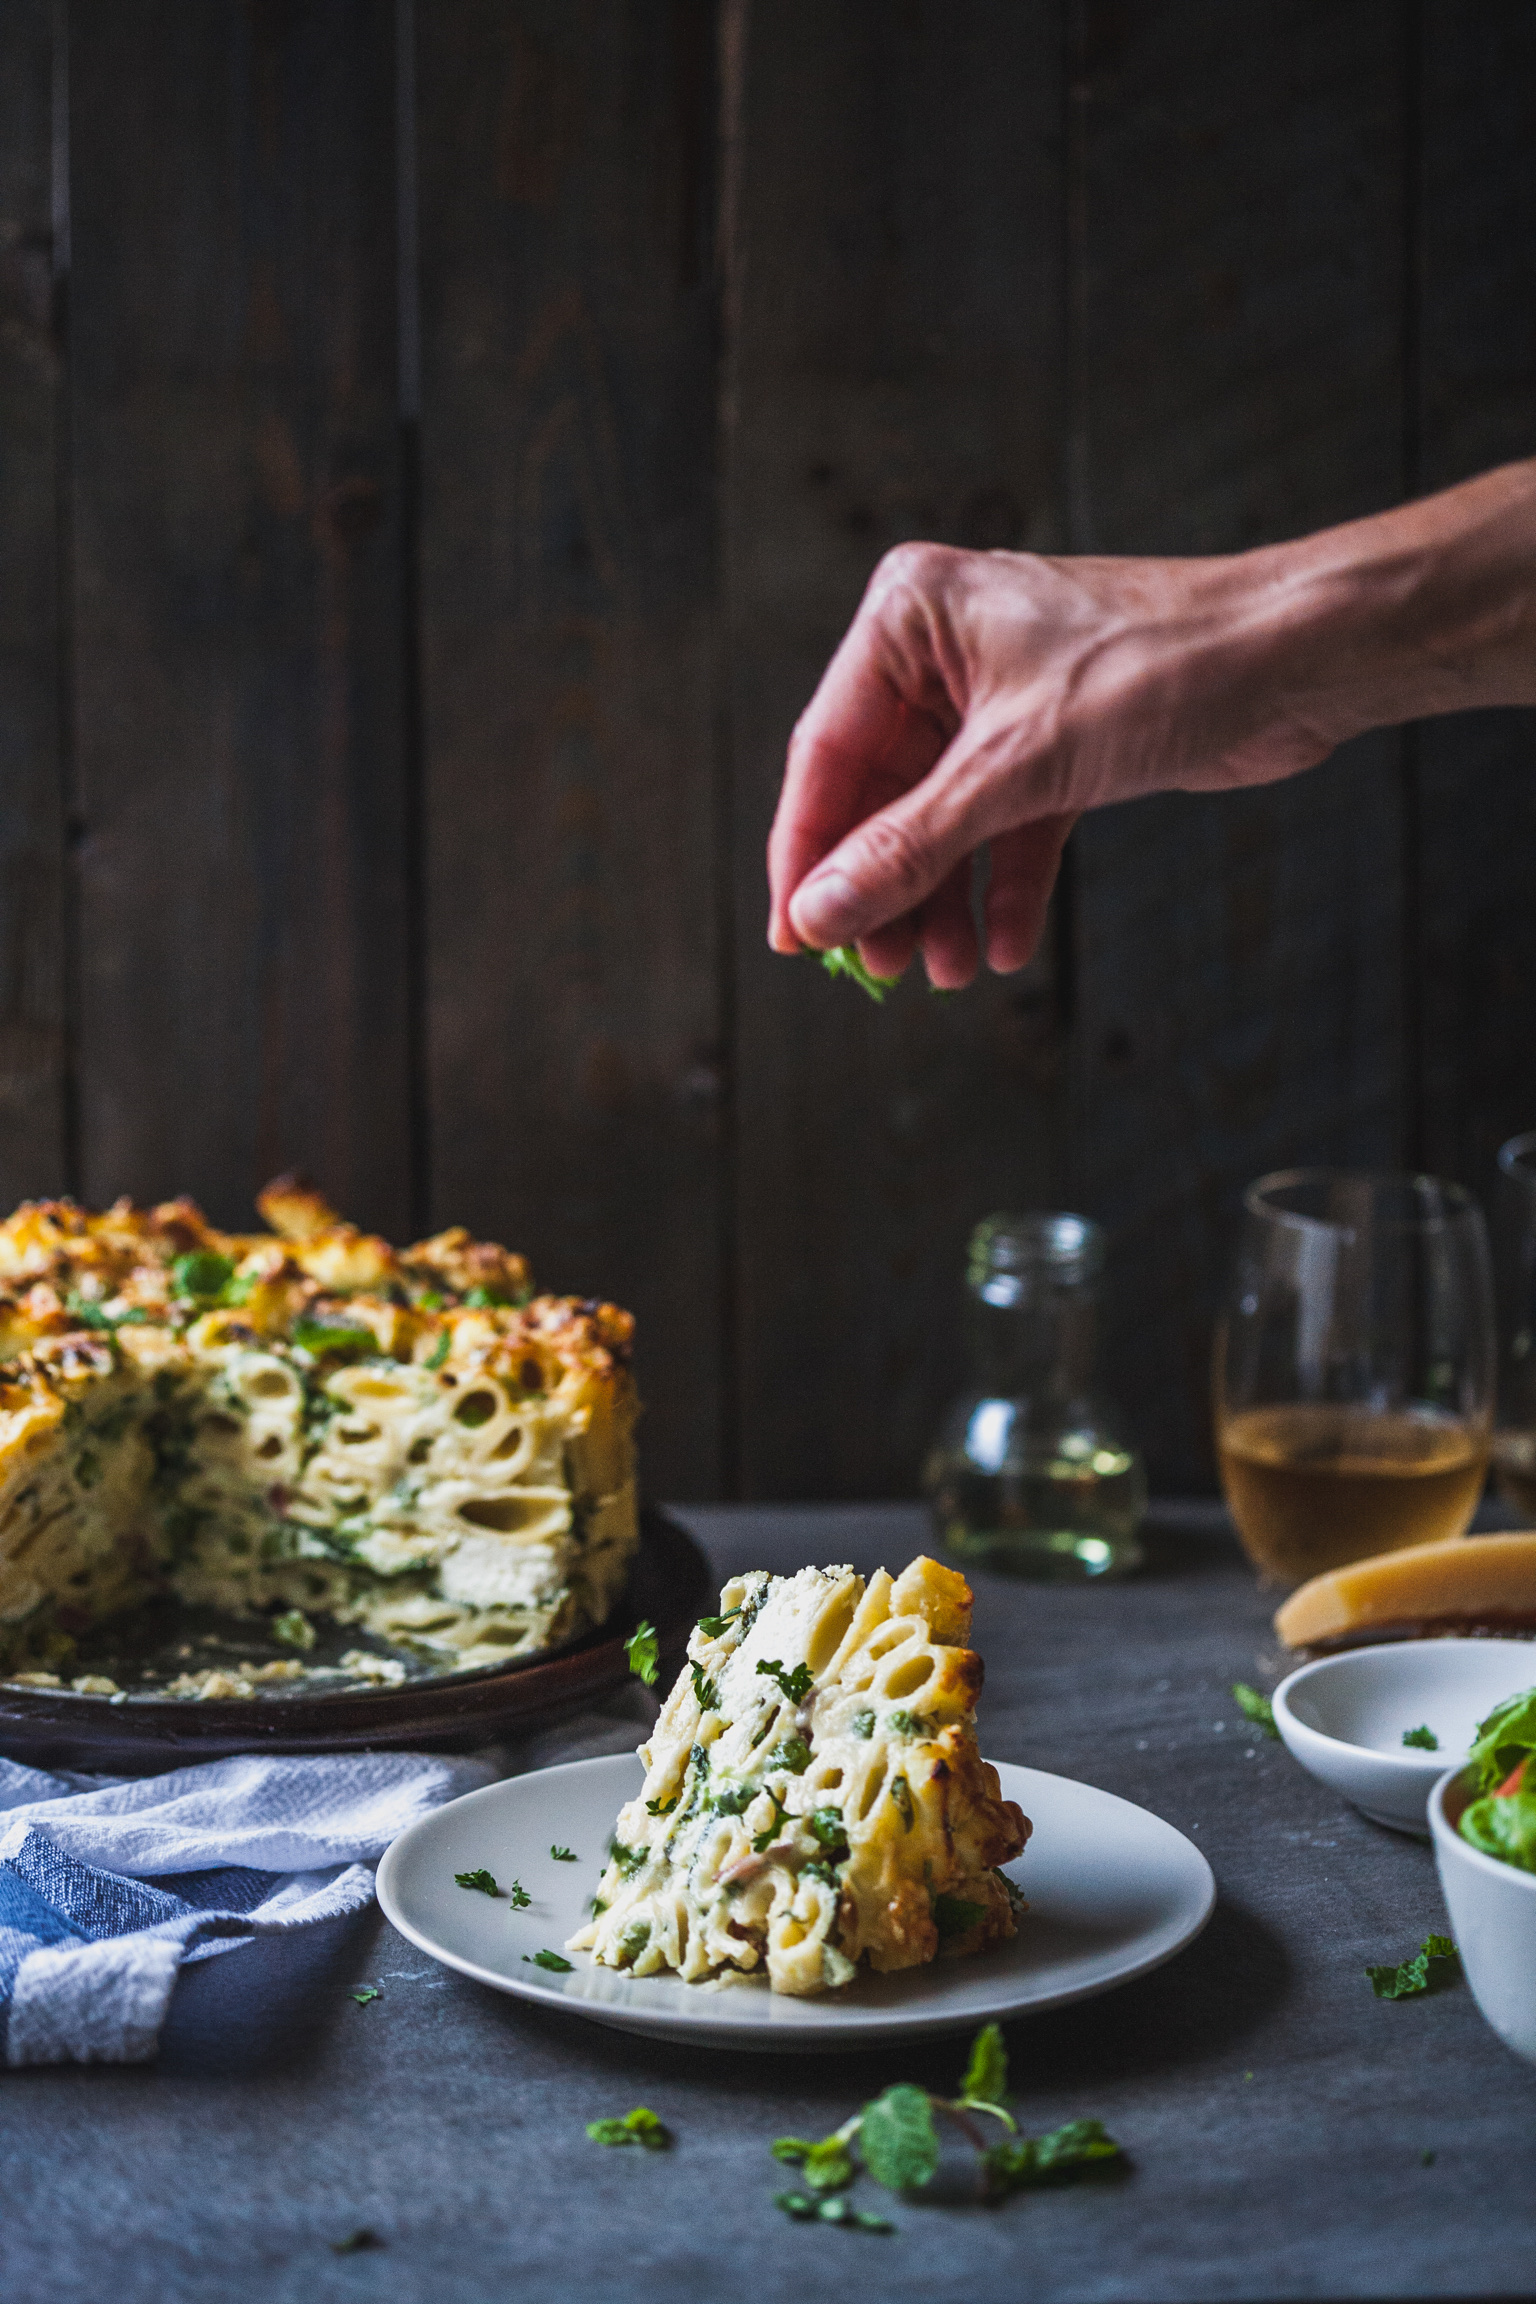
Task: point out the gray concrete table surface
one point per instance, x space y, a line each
1290 2136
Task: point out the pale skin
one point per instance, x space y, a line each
987 698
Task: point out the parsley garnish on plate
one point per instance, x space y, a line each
1254 1705
551 1960
642 1653
518 1897
1434 1964
638 2127
796 1685
482 1880
564 1855
1423 1739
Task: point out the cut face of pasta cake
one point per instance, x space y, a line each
814 1797
303 1422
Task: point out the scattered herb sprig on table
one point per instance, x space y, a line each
895 2139
483 1880
563 1855
642 1653
638 2127
1436 1963
1254 1705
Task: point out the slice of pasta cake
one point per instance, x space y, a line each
814 1798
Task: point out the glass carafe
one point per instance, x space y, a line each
1031 1472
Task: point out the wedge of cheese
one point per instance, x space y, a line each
1462 1583
814 1798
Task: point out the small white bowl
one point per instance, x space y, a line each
1344 1717
1493 1921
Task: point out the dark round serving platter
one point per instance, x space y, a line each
669 1585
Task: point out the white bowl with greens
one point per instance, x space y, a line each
1483 1818
1382 1724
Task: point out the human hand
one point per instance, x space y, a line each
991 697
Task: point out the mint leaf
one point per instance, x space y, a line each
481 1880
898 2139
796 1685
954 1915
642 1653
828 2165
845 960
1080 2148
551 1960
1256 1707
638 2127
1433 1965
807 2210
986 2075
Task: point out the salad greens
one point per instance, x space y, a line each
1435 1963
1501 1821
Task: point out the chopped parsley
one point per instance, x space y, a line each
482 1880
365 1993
766 1838
1255 1706
518 1897
986 2075
845 960
796 1685
956 1915
1422 1739
1074 2149
628 1860
202 1276
344 1339
1436 1963
439 1352
735 1801
662 1807
564 1855
713 1626
638 2127
550 1960
642 1653
705 1690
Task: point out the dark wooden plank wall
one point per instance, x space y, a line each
437 454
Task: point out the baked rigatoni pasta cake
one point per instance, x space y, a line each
303 1422
814 1797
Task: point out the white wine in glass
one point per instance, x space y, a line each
1354 1368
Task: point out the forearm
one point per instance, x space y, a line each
1425 609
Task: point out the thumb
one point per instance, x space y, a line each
888 864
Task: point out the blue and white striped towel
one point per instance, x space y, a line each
108 1887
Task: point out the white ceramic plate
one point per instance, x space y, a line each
1113 1891
1343 1718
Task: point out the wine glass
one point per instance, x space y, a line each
1514 1440
1354 1373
